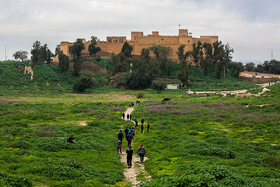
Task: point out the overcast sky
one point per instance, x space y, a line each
251 27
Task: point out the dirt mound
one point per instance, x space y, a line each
167 79
91 66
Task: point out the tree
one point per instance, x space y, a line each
40 54
77 48
119 79
250 66
158 86
77 65
127 49
225 60
57 49
138 81
92 49
119 64
85 81
197 52
22 55
183 74
166 66
206 61
235 68
160 51
63 61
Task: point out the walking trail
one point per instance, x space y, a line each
137 169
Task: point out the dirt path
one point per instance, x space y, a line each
238 93
136 169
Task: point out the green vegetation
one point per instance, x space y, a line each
193 140
272 66
214 141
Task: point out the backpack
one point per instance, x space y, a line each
142 151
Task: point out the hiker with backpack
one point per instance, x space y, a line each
129 139
141 152
119 146
120 135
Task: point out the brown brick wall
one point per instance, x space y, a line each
139 41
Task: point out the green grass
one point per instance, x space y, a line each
193 140
212 141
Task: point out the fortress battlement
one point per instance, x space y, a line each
138 41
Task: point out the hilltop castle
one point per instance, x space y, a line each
138 41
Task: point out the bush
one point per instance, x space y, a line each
138 81
158 86
84 82
140 95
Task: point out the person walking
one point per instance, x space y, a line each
148 127
142 121
133 130
136 123
119 147
120 135
130 116
129 153
142 128
127 117
123 115
126 132
141 152
129 139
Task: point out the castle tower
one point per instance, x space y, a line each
183 32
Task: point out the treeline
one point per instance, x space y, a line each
214 57
139 72
272 66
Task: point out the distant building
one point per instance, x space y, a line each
138 41
173 86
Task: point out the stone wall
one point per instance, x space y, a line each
139 41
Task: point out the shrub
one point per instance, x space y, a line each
158 86
84 82
140 95
138 81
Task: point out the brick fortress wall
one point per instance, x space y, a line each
138 41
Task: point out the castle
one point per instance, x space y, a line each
138 41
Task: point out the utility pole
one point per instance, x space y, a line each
5 52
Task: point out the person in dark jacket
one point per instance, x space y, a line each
142 121
127 117
129 153
148 127
123 115
120 135
141 152
129 139
130 116
71 139
126 132
142 128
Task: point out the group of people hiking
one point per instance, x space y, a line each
129 134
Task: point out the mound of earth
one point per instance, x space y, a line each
90 66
